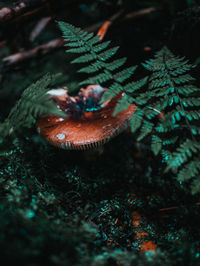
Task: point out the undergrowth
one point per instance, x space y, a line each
167 100
60 209
57 208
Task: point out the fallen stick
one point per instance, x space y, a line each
39 28
176 207
104 28
108 23
140 12
41 49
57 43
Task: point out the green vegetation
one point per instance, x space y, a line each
61 207
34 102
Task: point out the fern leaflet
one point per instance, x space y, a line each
34 102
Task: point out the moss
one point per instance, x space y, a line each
58 210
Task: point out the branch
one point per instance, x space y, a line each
57 43
39 28
20 8
41 49
103 30
140 12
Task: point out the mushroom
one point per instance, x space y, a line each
89 124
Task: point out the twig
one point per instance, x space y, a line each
140 12
57 43
39 28
175 207
104 212
102 31
41 49
106 25
104 28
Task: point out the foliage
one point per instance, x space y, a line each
170 112
99 65
34 102
58 207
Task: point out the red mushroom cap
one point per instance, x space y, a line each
85 127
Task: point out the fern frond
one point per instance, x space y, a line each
123 104
184 69
156 144
176 132
170 141
125 74
166 155
182 79
190 170
113 89
85 58
169 92
117 63
98 59
93 67
98 79
145 129
157 83
187 89
136 120
134 86
182 154
34 102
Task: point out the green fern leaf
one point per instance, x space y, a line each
34 102
172 93
180 156
124 74
135 85
136 120
94 67
85 58
156 144
108 53
146 129
116 64
99 79
101 46
123 104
